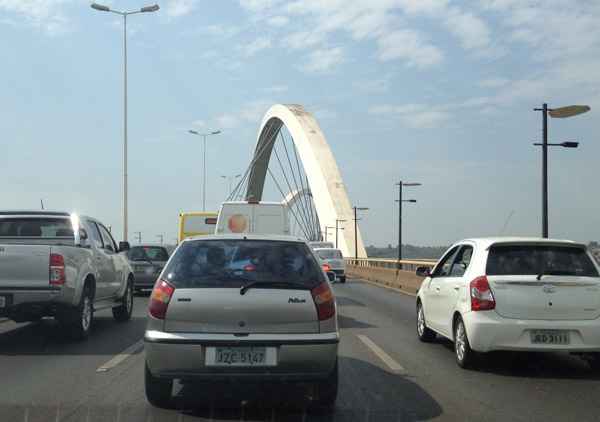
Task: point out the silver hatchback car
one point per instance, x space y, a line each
255 308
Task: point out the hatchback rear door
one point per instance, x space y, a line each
208 276
544 281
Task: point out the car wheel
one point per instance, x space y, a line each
123 312
593 359
79 321
327 389
343 279
462 348
158 390
425 334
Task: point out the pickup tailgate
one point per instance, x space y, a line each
24 266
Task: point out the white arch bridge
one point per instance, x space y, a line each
293 162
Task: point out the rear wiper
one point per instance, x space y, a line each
282 284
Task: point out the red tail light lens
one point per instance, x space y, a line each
326 268
482 298
160 298
56 268
323 297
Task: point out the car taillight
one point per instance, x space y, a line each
326 267
482 298
56 270
159 299
323 297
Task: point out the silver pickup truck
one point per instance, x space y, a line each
62 265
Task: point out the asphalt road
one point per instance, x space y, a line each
386 374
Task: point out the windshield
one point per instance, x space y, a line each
539 260
329 254
233 263
36 227
145 253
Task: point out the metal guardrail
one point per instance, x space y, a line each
393 264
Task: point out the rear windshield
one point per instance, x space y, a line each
199 224
36 227
234 263
329 254
145 253
536 260
316 245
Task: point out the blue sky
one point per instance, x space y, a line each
435 91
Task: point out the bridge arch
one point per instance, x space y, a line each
325 181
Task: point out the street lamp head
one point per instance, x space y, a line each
148 9
216 132
361 208
411 200
193 132
569 144
238 175
569 111
411 184
100 7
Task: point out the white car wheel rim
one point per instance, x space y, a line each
86 315
420 321
460 341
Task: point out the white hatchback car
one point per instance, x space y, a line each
522 294
334 261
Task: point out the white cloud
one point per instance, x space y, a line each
409 46
258 5
43 14
222 31
323 60
278 21
227 121
249 113
199 123
256 46
303 39
177 8
373 85
472 32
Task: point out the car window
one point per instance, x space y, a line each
233 263
539 259
329 254
444 266
107 239
36 227
152 253
461 261
95 236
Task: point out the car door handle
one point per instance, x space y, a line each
456 287
437 289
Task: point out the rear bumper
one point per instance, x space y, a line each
22 303
487 331
300 357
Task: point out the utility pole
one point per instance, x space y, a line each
42 203
139 236
356 230
161 237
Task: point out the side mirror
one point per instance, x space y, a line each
81 238
83 234
123 246
331 276
423 272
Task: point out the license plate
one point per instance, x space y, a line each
550 337
240 356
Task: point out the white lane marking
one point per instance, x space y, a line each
121 356
381 354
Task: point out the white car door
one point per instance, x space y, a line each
433 297
114 271
451 286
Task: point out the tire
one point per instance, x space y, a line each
593 359
158 390
425 334
79 321
122 313
465 356
327 390
343 279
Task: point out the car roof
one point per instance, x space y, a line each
327 249
148 245
248 236
35 213
486 242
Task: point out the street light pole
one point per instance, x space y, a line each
204 136
161 237
336 231
400 185
562 112
229 180
146 9
356 230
